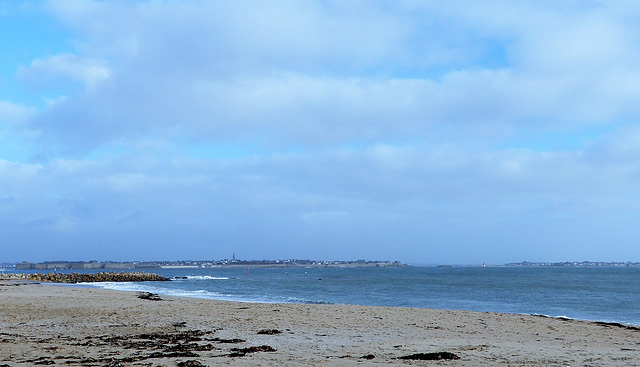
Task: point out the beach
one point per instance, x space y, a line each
42 324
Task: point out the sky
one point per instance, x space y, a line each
432 132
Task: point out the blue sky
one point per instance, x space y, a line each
426 132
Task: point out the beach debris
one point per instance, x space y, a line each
12 285
43 361
435 356
241 352
616 324
269 332
189 347
149 296
173 338
227 341
190 363
158 345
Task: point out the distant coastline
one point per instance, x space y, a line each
235 263
97 265
576 263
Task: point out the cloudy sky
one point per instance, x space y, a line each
421 131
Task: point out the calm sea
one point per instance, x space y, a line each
609 294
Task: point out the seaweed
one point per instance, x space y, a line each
149 296
435 356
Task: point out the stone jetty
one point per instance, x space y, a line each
88 278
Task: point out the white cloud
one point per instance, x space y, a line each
12 113
89 71
369 123
54 101
309 74
346 200
15 172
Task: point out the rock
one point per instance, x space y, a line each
97 277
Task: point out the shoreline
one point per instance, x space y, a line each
94 283
46 323
250 301
29 277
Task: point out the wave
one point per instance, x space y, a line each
126 286
199 293
610 323
306 301
206 277
559 317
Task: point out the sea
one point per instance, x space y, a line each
597 293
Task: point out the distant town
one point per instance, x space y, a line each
576 263
94 264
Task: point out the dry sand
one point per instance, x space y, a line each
44 324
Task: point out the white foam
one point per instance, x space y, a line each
206 277
123 286
200 293
562 317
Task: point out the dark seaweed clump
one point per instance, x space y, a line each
269 332
149 296
430 356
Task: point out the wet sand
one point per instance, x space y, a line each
42 324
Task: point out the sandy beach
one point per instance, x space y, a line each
42 324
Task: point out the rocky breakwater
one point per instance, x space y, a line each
93 278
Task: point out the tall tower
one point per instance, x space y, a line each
234 257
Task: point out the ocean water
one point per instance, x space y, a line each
610 294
